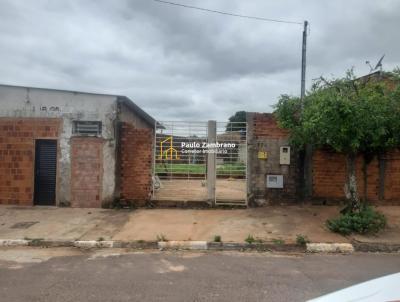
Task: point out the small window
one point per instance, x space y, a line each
86 128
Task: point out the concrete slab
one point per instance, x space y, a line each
60 223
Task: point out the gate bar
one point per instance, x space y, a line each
211 162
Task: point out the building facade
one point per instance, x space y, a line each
64 147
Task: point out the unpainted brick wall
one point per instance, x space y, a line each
17 148
264 134
86 172
136 149
264 125
329 176
392 176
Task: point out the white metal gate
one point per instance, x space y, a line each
200 161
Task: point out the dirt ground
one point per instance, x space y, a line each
269 223
233 225
196 189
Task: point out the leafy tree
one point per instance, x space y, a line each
237 122
349 115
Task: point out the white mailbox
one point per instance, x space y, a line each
284 156
275 181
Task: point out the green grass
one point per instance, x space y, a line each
180 168
224 169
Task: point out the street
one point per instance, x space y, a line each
66 274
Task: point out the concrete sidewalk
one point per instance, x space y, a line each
268 224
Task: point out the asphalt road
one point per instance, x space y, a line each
117 275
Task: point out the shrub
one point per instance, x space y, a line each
364 221
217 238
250 239
302 239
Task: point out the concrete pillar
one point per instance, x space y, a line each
211 161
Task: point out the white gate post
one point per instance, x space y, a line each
211 161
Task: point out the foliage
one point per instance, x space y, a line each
349 115
250 239
217 238
238 117
364 221
302 239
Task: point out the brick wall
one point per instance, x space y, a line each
264 134
264 125
86 171
392 177
329 176
17 148
136 148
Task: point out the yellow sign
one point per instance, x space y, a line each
262 155
168 153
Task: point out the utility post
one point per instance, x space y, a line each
303 63
307 159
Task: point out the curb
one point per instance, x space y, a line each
185 245
346 248
382 247
162 245
330 248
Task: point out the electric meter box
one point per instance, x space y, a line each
284 155
275 181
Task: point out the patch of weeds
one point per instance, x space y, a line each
302 239
278 241
140 241
363 221
100 239
34 241
217 238
161 237
250 239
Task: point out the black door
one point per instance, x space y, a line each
45 172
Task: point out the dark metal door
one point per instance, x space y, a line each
45 172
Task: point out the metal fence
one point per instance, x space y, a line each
231 163
200 161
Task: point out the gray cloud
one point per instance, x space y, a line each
185 64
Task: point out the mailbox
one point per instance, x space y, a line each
284 156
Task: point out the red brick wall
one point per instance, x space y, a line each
392 177
265 126
136 163
329 176
17 148
86 171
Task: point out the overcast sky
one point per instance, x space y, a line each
183 64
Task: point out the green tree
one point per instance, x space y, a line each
237 122
351 116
